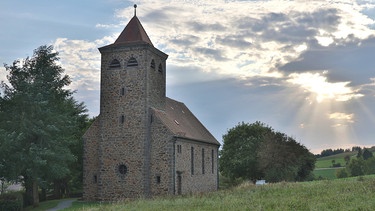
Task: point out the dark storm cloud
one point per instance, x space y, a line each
352 61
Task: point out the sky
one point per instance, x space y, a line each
305 68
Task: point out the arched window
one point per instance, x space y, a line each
160 68
132 62
114 64
153 64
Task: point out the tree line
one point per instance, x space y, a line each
362 164
329 152
41 126
256 151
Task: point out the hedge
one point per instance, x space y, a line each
11 201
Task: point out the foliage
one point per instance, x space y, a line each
342 173
356 167
329 152
367 154
11 201
254 151
239 158
39 122
351 194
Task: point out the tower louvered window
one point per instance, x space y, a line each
153 64
160 68
115 64
132 62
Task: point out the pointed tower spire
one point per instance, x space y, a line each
133 32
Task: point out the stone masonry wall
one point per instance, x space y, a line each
161 159
127 92
91 162
204 176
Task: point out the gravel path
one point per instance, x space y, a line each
62 205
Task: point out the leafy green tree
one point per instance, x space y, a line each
281 158
39 122
238 158
370 165
367 154
254 151
341 173
347 159
356 167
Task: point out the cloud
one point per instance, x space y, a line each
341 116
317 83
279 44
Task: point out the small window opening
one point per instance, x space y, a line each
122 169
123 91
160 68
158 179
95 178
179 149
122 119
153 64
132 62
115 64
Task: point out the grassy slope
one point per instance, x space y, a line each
326 162
340 194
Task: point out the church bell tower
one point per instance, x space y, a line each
133 80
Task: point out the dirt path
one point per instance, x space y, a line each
63 204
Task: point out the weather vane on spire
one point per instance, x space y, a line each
135 10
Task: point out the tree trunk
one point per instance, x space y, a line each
35 194
29 191
57 189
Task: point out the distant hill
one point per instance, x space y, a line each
325 167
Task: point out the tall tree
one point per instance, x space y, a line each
238 158
254 151
39 120
367 154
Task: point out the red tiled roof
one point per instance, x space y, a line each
133 33
182 122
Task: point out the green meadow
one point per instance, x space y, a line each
357 193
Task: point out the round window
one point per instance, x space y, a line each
122 169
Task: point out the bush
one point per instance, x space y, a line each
11 201
336 165
341 173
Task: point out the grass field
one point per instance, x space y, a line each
326 162
325 173
356 193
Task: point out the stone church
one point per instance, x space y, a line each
143 143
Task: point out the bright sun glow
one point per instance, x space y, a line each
318 84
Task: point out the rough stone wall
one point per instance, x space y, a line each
123 142
91 162
197 181
162 159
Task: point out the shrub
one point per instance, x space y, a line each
11 201
341 173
